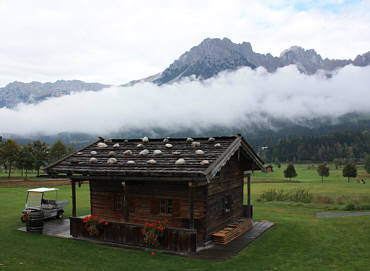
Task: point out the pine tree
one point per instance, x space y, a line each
26 159
290 172
323 171
349 170
367 163
9 153
40 152
57 151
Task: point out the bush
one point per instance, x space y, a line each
364 207
350 207
324 199
300 195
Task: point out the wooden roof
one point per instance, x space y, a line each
217 151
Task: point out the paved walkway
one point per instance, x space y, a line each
332 214
55 227
60 228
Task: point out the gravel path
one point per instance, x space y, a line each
331 214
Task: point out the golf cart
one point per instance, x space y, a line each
45 201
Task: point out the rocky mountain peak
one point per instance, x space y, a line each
212 56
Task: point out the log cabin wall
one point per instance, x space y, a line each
143 200
103 199
225 195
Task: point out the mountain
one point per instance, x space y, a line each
34 92
203 61
212 56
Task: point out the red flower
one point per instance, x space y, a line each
106 223
153 253
101 221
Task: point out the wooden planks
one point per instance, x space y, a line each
232 231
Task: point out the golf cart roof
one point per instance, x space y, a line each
42 189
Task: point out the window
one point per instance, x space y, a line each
165 206
118 202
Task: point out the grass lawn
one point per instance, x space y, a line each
17 174
298 241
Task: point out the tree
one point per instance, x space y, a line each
290 172
26 159
40 151
367 163
71 149
9 153
349 170
323 171
337 162
57 151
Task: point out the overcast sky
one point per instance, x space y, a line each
118 41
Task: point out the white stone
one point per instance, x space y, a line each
211 139
199 152
166 140
116 145
195 144
151 161
126 140
79 153
168 146
145 139
139 146
128 152
204 163
112 160
93 152
218 145
93 160
157 152
130 162
180 162
101 145
189 139
176 153
111 154
144 152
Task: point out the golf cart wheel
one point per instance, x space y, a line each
60 214
23 218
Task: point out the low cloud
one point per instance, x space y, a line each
232 99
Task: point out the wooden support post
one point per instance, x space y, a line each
125 202
73 198
191 211
249 196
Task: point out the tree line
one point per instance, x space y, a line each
31 156
348 146
323 170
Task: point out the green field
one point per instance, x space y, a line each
298 241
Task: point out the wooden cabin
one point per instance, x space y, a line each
196 184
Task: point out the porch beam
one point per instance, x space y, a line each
73 183
191 210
